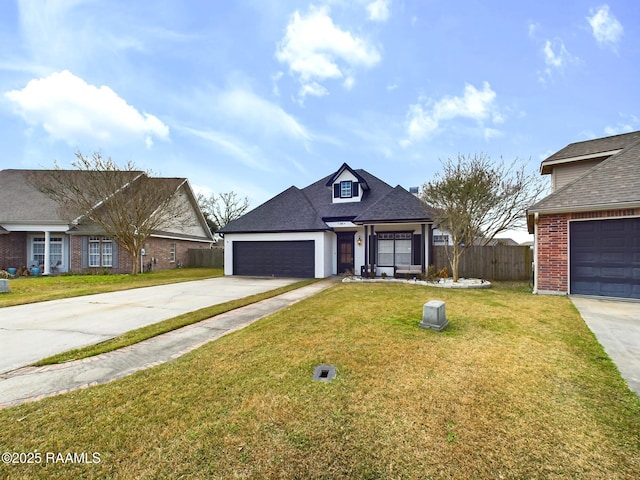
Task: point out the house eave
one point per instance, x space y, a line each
585 208
546 168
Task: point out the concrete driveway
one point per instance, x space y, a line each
616 325
31 332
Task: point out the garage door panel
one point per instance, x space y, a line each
275 258
605 257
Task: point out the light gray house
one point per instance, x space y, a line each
345 222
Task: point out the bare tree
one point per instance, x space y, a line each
125 203
474 197
222 208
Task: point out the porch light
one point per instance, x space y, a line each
359 240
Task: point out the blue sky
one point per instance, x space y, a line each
255 96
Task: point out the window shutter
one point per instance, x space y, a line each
114 255
354 189
336 190
417 250
85 252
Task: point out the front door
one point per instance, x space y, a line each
345 252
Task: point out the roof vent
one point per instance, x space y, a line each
324 373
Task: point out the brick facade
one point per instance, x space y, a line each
14 246
13 250
552 246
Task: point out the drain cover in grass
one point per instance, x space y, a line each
324 373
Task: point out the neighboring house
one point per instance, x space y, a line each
35 232
341 223
587 231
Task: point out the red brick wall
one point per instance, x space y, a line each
552 244
13 250
155 248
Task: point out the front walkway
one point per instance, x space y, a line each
34 383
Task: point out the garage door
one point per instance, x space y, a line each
278 259
605 257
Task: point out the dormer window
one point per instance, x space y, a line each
347 185
345 189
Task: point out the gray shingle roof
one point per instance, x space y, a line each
286 212
612 184
591 148
22 203
397 205
310 208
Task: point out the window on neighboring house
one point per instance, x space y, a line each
100 252
172 253
55 250
394 248
38 250
441 239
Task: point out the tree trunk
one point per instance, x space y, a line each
455 262
135 257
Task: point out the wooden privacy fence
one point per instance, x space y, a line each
500 262
209 258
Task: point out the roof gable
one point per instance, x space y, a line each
614 183
341 170
590 149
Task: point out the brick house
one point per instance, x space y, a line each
587 231
34 232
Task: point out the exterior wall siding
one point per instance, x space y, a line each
552 247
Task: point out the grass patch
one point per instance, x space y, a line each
517 387
39 289
135 336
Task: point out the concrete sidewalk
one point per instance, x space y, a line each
34 383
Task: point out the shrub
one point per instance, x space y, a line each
4 274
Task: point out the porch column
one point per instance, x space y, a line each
431 259
366 247
47 254
423 253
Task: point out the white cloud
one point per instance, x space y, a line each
379 10
607 30
258 114
626 124
315 49
249 155
69 109
426 117
556 58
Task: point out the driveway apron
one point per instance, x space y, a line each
616 325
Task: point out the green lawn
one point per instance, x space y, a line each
38 289
516 387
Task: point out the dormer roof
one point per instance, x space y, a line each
333 178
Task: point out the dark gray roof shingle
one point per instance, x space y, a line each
591 147
614 183
289 211
310 208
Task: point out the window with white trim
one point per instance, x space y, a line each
172 253
345 189
394 248
100 252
